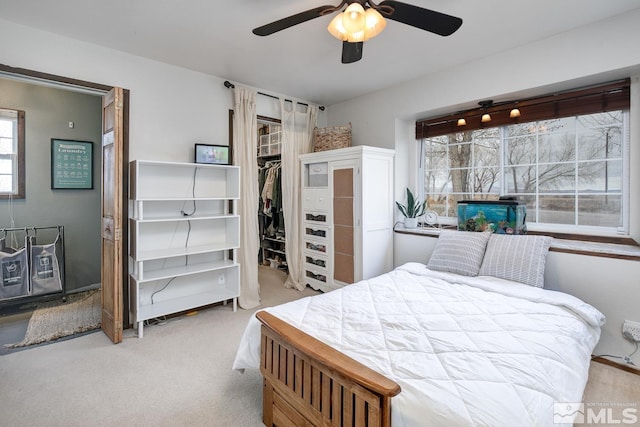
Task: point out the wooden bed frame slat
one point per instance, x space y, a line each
325 396
308 383
315 388
347 408
336 405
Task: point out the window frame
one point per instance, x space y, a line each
611 96
556 228
20 158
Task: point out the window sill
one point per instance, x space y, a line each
619 249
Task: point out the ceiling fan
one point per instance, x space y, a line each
363 19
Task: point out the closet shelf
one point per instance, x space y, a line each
275 251
274 239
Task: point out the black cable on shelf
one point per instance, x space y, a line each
193 195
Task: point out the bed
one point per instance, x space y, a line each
441 344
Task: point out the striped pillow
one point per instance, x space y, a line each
459 252
518 258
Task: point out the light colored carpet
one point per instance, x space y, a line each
608 393
179 374
52 321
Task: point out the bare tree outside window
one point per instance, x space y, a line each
568 171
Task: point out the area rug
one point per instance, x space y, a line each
80 313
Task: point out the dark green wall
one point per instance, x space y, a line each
48 112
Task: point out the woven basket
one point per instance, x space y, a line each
331 138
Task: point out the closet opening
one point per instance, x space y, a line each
270 219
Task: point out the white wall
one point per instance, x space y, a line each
171 108
593 54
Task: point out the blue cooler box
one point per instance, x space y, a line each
498 216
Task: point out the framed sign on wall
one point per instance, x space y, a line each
71 164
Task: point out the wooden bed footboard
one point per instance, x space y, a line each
308 383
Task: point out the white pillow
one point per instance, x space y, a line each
519 258
459 252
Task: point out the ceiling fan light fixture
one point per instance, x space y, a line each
374 23
485 118
336 29
514 113
462 122
353 18
356 37
362 20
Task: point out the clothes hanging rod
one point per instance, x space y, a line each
230 85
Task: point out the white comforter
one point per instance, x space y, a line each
466 351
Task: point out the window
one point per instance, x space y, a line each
571 171
568 171
11 153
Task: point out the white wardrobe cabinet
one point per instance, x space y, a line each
347 215
184 233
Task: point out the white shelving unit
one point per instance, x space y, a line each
184 233
269 140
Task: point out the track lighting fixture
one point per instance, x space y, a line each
499 109
486 117
515 112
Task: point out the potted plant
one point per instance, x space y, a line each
412 210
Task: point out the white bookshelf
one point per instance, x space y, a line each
184 233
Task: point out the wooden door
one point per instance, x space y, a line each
111 235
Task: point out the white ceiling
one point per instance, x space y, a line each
214 37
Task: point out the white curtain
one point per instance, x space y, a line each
245 135
297 138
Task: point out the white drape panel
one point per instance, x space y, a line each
245 135
297 134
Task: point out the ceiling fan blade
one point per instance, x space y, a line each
351 52
292 20
425 19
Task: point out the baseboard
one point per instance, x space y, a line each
84 289
624 367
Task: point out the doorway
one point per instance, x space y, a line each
98 92
271 227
